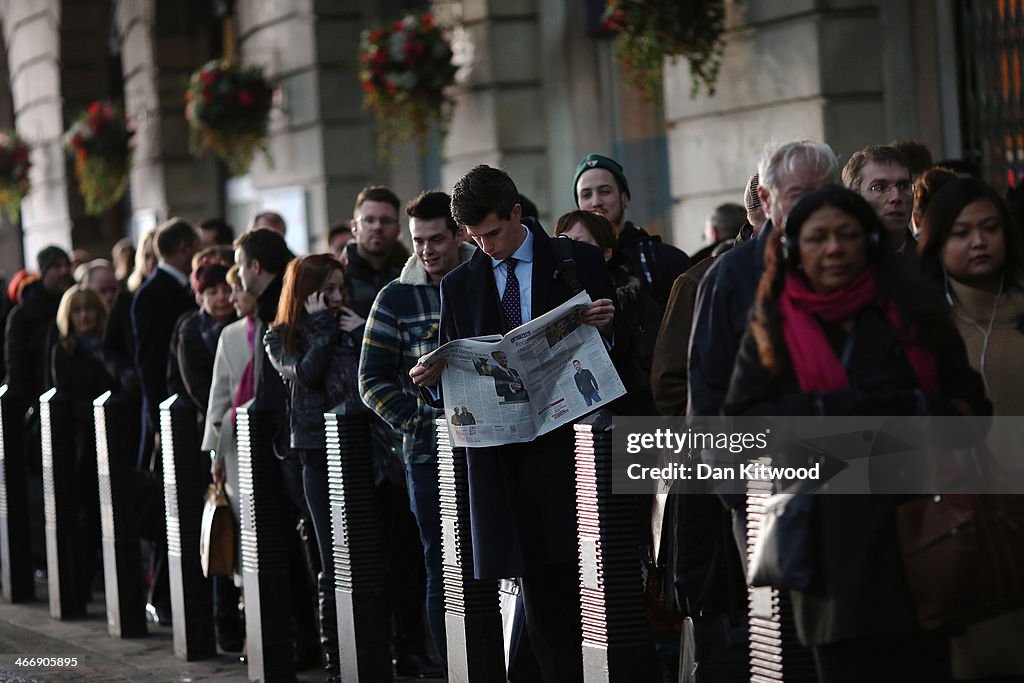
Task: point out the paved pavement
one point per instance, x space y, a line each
26 630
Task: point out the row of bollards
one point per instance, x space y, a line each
615 642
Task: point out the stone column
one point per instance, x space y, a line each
807 69
165 179
500 113
31 31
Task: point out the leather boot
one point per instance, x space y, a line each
329 628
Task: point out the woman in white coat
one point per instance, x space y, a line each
234 377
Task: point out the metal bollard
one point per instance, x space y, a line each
122 574
364 621
775 651
616 639
472 615
60 505
191 592
266 537
16 577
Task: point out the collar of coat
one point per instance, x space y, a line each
415 274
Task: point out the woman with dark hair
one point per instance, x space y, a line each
638 315
197 332
79 374
839 328
311 345
971 246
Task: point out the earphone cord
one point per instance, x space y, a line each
985 333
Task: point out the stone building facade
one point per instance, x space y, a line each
535 93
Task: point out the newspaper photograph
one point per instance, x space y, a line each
541 375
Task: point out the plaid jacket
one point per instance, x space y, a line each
402 327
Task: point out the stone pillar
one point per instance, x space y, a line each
807 69
166 180
32 34
500 113
322 142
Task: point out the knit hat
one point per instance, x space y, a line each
48 257
210 275
600 161
751 200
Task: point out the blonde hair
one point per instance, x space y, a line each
139 275
76 296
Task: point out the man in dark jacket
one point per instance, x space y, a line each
727 290
29 337
600 185
156 307
522 496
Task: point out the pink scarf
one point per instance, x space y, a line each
247 382
816 365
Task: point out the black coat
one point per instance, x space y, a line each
322 373
522 496
156 308
81 375
859 589
31 335
655 263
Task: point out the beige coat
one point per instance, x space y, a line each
233 354
992 647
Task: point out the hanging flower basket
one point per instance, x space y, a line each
99 142
14 166
228 109
651 30
405 69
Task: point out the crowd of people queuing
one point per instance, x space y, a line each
890 286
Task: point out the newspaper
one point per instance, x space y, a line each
540 376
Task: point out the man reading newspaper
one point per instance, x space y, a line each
522 495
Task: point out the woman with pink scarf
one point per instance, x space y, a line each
840 328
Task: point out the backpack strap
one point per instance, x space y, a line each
563 245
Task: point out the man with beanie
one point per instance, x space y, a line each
600 185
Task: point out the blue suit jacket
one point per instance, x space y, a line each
522 496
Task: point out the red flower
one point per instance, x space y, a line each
397 26
94 109
377 35
208 77
391 86
76 140
368 86
246 98
204 95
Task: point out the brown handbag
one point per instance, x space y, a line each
217 534
964 556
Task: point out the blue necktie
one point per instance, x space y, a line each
511 309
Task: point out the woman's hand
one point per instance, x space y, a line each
349 320
315 303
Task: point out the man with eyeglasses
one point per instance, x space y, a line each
368 262
881 175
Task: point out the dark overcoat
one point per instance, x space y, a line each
522 496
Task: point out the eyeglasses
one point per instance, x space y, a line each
382 221
883 189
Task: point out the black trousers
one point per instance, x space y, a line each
551 600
